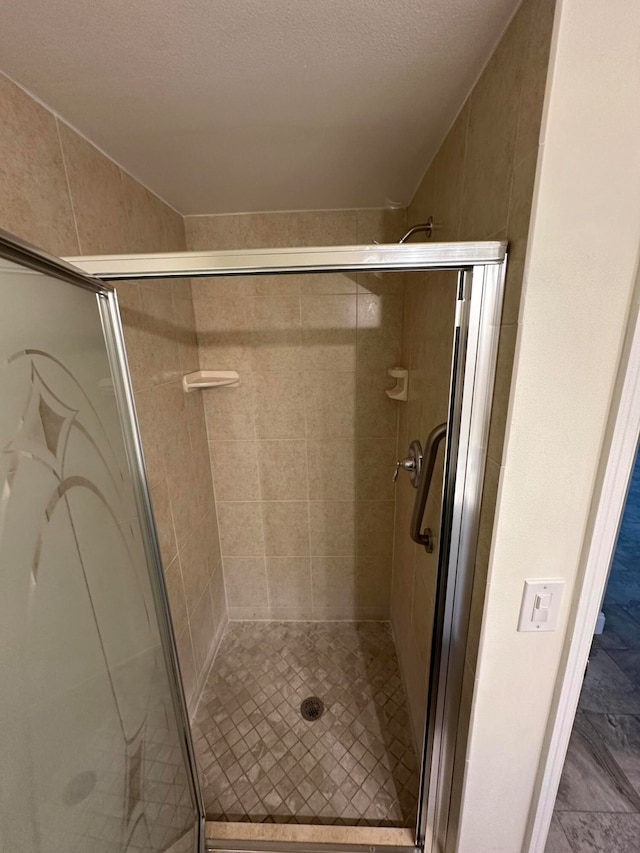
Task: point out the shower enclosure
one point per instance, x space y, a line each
374 749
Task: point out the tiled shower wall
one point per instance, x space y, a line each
303 450
60 193
479 187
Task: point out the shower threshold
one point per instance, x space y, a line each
280 837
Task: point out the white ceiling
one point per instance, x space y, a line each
224 106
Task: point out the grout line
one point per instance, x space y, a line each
260 502
68 183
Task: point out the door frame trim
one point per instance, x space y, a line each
619 448
479 306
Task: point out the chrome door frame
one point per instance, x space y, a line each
481 267
20 252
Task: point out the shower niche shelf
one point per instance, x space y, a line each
210 379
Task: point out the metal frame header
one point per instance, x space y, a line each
406 256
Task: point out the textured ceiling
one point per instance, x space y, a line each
226 106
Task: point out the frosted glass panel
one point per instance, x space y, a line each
90 743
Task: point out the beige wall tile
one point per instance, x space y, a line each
289 583
175 592
202 483
318 284
279 405
271 285
375 283
229 411
235 470
520 203
491 138
380 226
535 78
300 613
208 530
34 197
164 521
373 582
423 203
501 392
98 196
157 341
327 228
181 479
187 667
195 569
286 528
249 612
153 225
245 581
449 173
223 325
329 332
376 414
276 335
422 617
283 470
332 469
375 465
224 286
202 632
334 582
332 527
269 230
212 232
184 323
379 331
489 498
374 528
240 529
330 403
218 598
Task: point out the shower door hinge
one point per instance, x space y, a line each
459 307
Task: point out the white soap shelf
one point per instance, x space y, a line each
210 379
400 390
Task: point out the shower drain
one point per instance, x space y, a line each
312 708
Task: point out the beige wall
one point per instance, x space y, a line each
303 450
579 278
60 193
478 187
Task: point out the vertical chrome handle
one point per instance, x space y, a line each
426 475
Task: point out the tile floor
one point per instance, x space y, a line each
598 802
260 761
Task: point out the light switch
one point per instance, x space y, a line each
540 605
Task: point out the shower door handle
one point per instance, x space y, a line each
424 484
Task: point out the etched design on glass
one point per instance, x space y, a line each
89 702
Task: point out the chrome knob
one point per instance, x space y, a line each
412 464
407 464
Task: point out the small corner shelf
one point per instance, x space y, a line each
210 379
401 388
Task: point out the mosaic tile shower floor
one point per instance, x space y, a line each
260 761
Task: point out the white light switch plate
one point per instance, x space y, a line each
540 605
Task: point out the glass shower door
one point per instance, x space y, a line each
96 752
